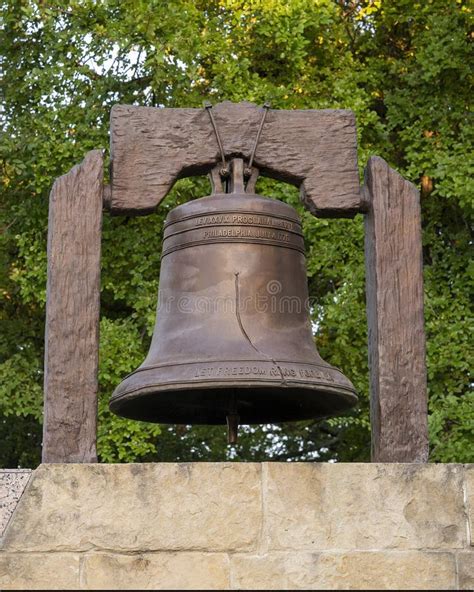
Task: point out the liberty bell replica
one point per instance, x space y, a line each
233 341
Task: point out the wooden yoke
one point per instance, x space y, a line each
151 148
316 150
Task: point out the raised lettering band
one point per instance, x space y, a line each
241 370
242 227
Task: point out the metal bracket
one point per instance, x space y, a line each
236 181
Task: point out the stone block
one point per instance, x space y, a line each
275 571
469 493
389 570
156 571
135 507
39 571
12 485
466 570
363 506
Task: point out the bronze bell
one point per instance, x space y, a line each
233 340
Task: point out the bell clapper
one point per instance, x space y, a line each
232 419
232 428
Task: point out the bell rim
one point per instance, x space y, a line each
342 399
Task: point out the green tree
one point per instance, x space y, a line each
401 65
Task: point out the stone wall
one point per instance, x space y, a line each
239 526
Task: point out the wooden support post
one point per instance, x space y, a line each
72 314
395 316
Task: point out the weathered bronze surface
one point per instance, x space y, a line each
233 339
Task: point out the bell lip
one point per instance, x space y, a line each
343 397
318 364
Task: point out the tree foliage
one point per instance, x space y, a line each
401 65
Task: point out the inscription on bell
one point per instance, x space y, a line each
311 373
213 371
251 219
246 233
272 371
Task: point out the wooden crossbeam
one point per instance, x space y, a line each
316 150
